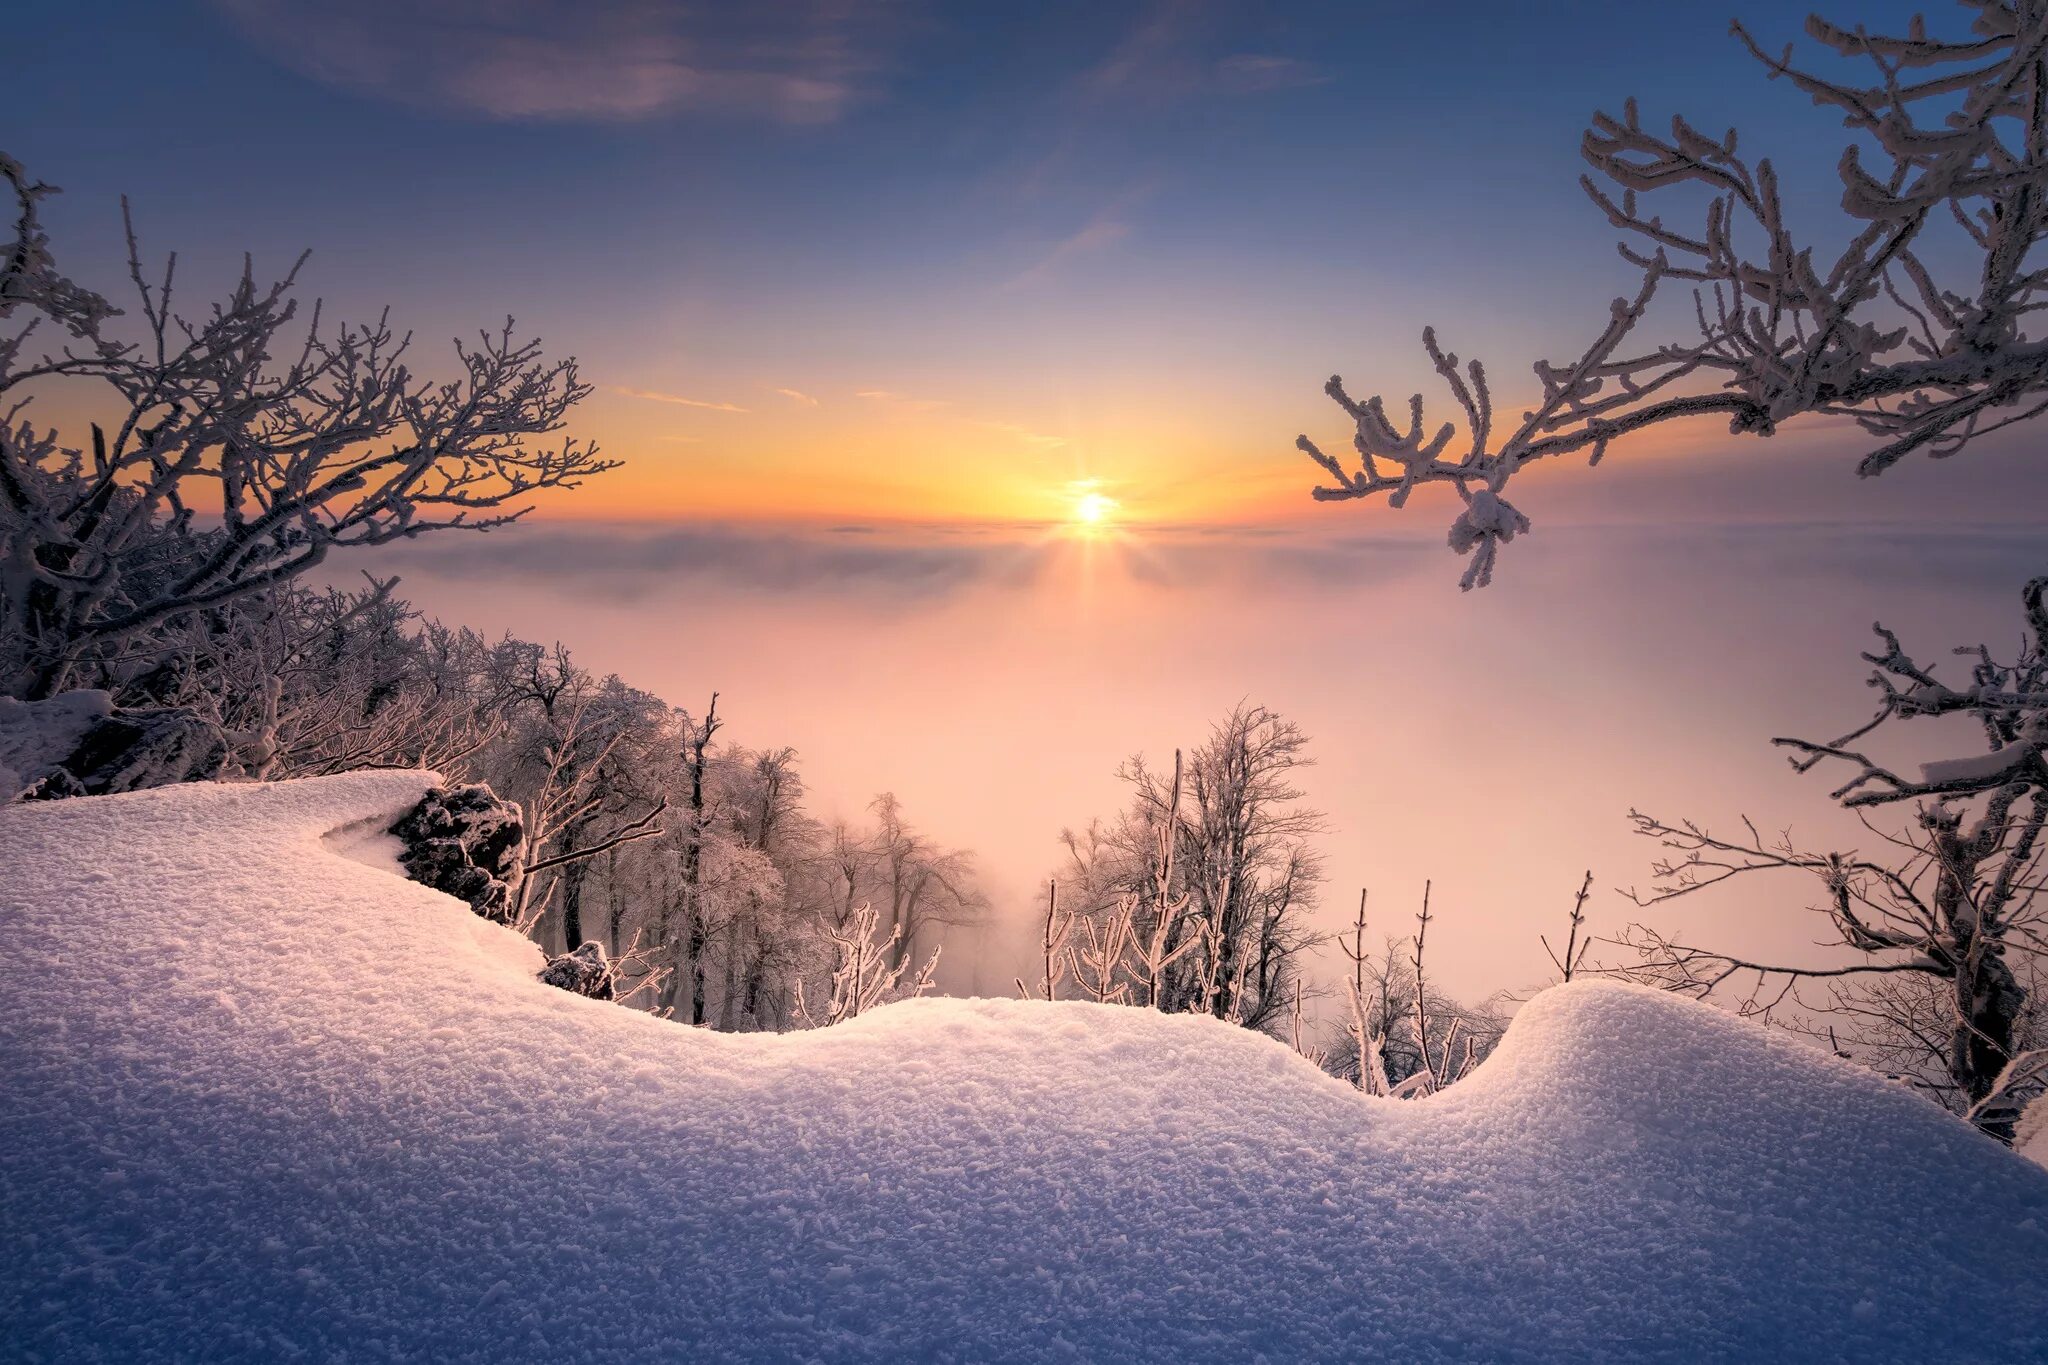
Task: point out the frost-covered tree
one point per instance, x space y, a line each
923 887
1918 319
304 682
1918 323
227 451
1214 870
1945 923
868 972
582 757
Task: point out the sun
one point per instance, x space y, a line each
1093 509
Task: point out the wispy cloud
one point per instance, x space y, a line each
901 401
1105 228
798 396
655 396
791 61
1169 54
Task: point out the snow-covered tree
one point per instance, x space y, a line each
1918 320
1214 871
229 451
304 683
1945 922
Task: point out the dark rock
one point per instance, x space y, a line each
133 750
586 971
468 842
80 744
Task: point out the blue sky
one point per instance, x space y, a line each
1146 230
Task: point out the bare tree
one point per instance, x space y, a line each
1214 872
1916 325
869 971
924 888
1574 956
1931 930
1945 925
231 457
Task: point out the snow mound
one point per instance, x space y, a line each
265 1100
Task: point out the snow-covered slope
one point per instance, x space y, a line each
264 1100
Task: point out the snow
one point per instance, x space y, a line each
1973 768
36 736
266 1100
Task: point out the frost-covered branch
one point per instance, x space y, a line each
1948 163
864 976
2008 701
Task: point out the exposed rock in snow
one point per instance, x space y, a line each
469 842
78 744
265 1102
37 736
583 971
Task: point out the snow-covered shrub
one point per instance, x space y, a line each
468 842
869 972
37 736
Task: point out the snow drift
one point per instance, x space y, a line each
266 1100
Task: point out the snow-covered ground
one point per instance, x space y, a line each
265 1100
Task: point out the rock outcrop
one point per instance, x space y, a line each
469 842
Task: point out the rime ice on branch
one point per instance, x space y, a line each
1950 165
233 454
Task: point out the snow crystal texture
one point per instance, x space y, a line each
266 1101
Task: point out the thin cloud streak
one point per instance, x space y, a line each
902 401
655 396
792 61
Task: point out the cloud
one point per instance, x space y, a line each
655 396
798 396
789 61
625 561
1166 57
901 401
1097 234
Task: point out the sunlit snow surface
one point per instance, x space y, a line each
265 1100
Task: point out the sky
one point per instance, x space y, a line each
876 299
